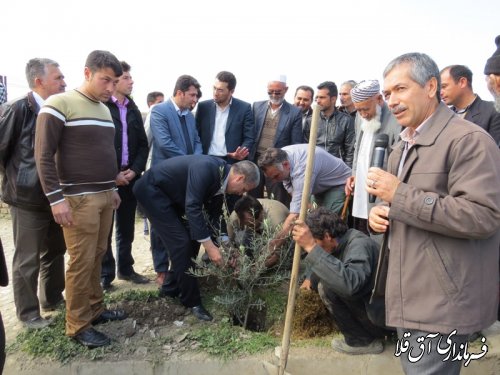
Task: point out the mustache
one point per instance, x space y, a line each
398 109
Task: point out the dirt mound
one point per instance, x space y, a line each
311 318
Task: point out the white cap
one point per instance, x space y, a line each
278 78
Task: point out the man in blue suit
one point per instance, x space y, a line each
225 124
174 194
174 134
277 124
173 125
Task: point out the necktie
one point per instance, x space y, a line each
189 147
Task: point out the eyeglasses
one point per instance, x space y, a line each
274 92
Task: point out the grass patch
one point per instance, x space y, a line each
51 342
226 341
131 295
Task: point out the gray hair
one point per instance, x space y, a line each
273 157
350 82
422 69
36 68
249 170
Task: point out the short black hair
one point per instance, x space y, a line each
247 203
98 60
321 221
125 67
151 98
330 86
272 157
459 71
305 88
184 82
227 77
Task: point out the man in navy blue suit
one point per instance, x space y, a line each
277 124
225 124
174 194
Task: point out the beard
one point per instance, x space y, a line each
374 124
497 103
277 101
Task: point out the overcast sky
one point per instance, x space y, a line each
309 41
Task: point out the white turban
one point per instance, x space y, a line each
365 90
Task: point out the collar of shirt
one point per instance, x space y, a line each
410 135
117 102
180 112
274 110
226 107
462 111
322 114
223 188
38 99
287 183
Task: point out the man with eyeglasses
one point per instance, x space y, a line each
277 124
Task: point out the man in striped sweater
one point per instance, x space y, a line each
76 162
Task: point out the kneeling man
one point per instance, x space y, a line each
343 261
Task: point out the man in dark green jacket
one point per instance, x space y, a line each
343 262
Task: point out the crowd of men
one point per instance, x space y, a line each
428 220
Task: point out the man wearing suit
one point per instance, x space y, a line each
373 118
277 124
173 125
132 150
456 91
225 124
174 194
174 134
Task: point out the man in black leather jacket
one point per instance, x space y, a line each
38 239
335 129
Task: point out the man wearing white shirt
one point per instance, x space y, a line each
372 118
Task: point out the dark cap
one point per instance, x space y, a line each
493 63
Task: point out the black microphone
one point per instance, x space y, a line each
381 143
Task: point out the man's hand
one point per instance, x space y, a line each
115 200
349 185
382 184
378 218
306 285
129 174
62 214
213 252
121 180
303 236
240 153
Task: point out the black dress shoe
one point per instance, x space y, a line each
169 292
106 284
53 306
92 338
200 312
109 315
133 277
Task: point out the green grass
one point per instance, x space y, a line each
226 341
51 342
220 339
131 295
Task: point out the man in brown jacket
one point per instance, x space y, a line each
443 211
